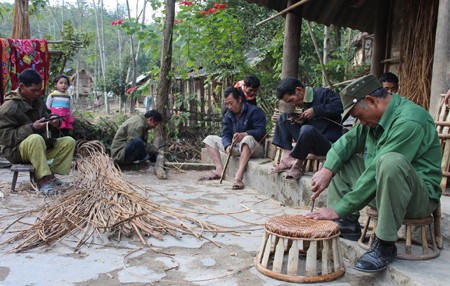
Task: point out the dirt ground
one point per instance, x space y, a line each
222 259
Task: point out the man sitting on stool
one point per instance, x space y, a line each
313 130
24 137
399 173
243 124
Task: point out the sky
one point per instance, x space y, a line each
109 4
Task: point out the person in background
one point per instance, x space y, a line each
60 102
23 137
248 87
130 141
399 173
389 82
244 125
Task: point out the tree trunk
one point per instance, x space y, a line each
21 24
134 55
101 50
326 50
164 85
104 56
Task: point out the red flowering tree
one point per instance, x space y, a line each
208 36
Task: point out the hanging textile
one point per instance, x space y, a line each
5 82
18 55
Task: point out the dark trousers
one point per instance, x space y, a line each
308 138
136 150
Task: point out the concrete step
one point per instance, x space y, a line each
400 272
297 193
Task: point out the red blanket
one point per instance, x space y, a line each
18 55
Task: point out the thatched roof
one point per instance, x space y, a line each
355 14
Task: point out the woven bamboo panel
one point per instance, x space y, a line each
298 226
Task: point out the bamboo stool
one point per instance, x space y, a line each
411 249
21 168
313 163
297 249
442 122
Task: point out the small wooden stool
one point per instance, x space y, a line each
313 163
21 168
297 249
410 249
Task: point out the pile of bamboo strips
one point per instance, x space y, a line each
101 202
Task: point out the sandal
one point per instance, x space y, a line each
281 167
293 174
238 185
210 176
57 182
47 189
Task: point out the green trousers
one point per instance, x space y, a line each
34 150
400 192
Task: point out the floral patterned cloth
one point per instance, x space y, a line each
5 82
18 55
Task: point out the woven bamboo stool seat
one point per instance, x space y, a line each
297 249
422 247
21 168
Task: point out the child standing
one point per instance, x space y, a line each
61 103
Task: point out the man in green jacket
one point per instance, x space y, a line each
398 174
130 142
24 137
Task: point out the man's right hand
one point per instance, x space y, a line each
320 181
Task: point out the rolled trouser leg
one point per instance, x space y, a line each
34 150
62 155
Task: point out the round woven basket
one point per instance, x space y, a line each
298 226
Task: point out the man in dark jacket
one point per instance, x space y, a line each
24 137
313 128
130 142
243 129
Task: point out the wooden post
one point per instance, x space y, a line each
440 81
380 34
291 49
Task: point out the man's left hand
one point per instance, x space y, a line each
323 213
55 122
237 137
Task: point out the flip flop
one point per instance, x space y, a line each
47 189
237 185
57 182
281 167
209 177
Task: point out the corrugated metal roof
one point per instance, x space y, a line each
355 14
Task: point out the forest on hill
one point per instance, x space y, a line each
219 36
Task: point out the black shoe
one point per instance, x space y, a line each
378 257
350 228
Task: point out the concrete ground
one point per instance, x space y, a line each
222 259
225 260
